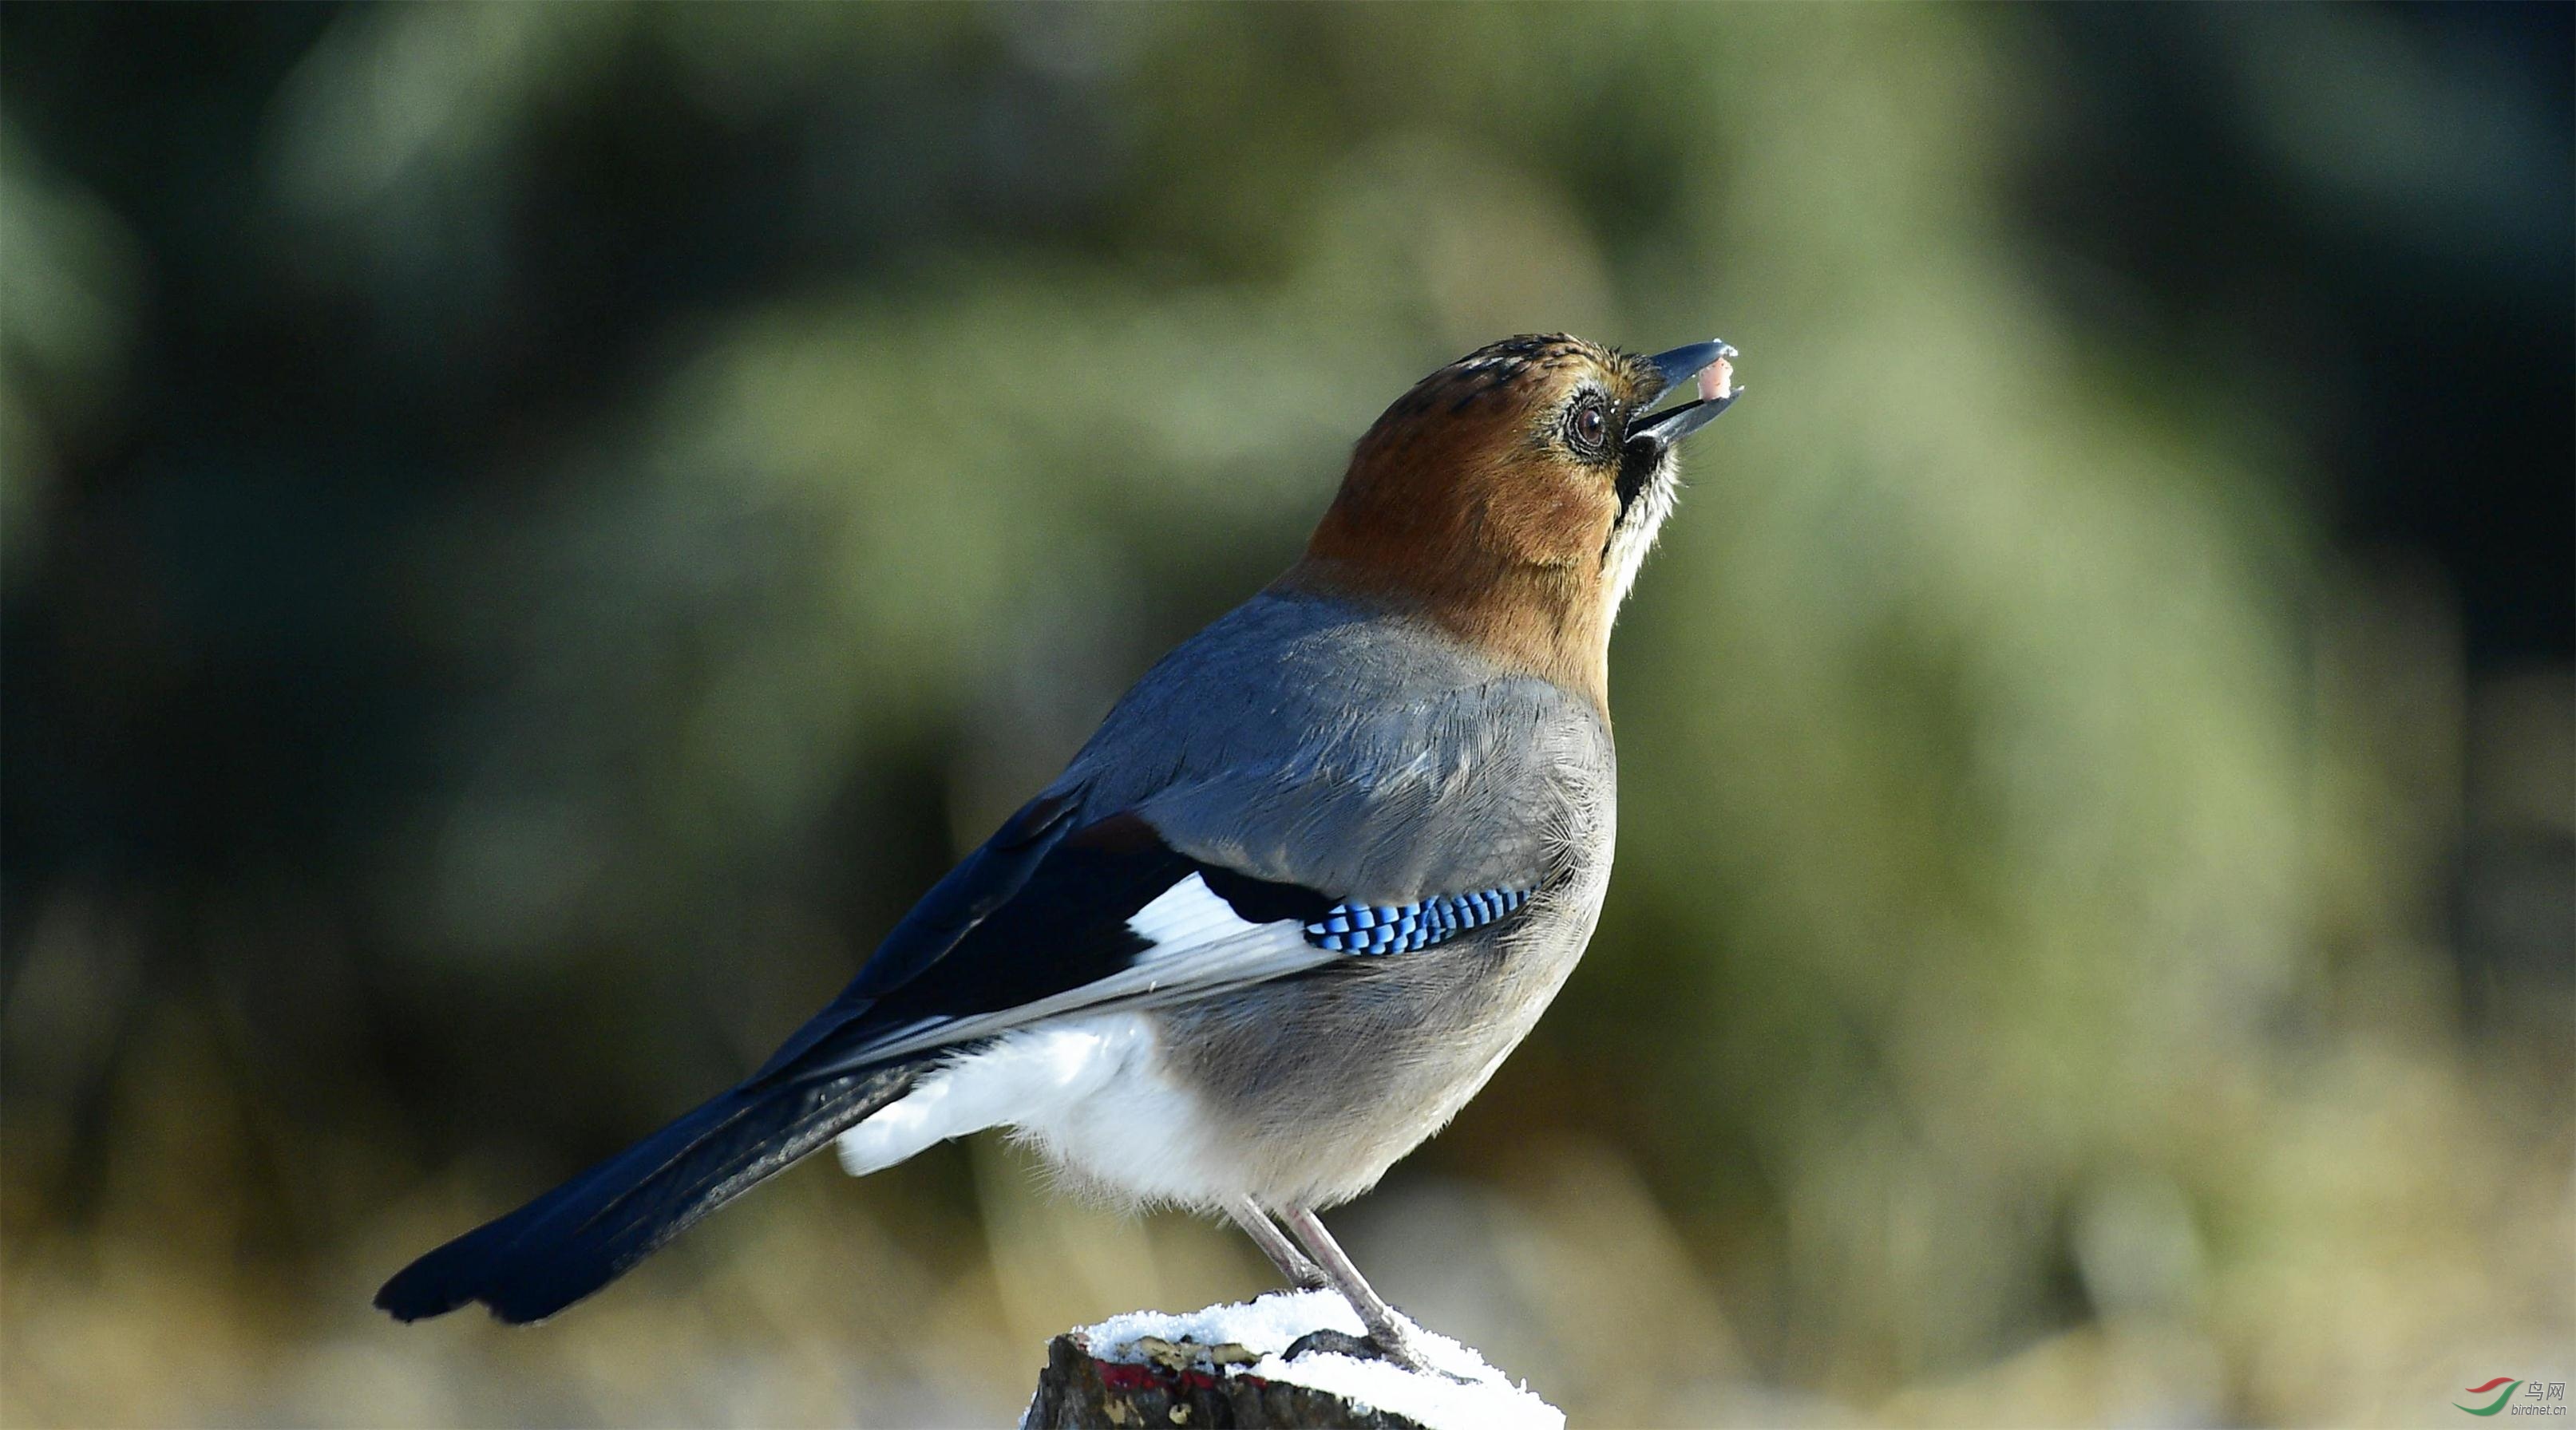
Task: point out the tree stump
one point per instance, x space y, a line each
1286 1360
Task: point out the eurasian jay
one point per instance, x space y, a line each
1316 874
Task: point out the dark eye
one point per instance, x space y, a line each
1591 425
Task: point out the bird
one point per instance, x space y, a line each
1315 875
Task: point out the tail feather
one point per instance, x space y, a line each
584 1234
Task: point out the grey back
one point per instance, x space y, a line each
1359 752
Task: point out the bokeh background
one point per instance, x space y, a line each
532 532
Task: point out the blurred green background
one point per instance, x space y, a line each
533 532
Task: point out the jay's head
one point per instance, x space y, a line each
1512 494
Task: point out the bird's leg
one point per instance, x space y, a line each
1275 1244
1393 1333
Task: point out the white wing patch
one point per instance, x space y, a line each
1187 916
1198 946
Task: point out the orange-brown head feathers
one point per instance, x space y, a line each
1511 495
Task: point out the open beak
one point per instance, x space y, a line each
1705 363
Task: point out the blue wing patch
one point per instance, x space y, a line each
1402 928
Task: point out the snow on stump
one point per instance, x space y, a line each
1230 1365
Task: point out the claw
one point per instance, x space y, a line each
1402 1354
1333 1343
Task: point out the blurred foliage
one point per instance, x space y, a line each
533 532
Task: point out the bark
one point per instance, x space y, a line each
1182 1384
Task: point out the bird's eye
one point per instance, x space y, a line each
1591 425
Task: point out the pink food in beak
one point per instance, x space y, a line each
1716 381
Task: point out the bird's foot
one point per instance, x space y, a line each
1332 1343
1393 1344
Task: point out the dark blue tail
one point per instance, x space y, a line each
584 1234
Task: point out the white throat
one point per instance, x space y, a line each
1634 536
